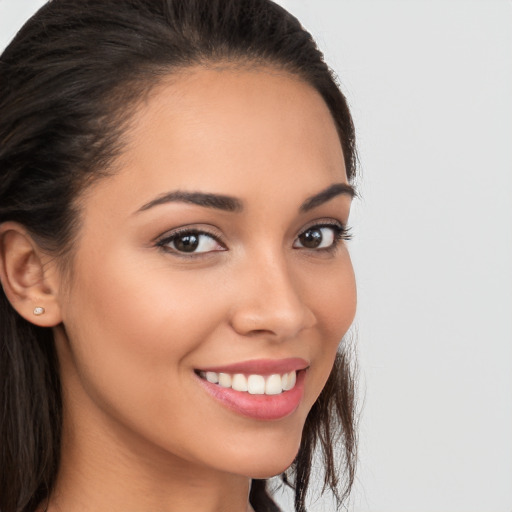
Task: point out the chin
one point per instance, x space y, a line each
268 451
267 463
269 472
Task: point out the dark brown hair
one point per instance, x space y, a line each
68 83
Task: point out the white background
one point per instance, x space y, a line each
430 86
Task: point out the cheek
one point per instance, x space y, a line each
332 296
131 328
133 332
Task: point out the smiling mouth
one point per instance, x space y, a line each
263 389
252 384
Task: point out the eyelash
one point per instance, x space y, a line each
341 232
181 233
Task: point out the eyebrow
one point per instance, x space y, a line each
329 193
232 204
219 202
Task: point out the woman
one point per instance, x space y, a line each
175 191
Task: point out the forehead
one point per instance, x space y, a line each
235 131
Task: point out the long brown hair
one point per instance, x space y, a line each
68 82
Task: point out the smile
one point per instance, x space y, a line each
253 384
259 389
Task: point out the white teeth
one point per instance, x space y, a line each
289 380
225 380
212 377
239 382
254 384
273 385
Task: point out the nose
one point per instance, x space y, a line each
269 302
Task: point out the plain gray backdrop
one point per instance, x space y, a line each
430 87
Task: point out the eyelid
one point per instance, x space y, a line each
323 222
342 232
163 240
320 223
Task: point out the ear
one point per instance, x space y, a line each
28 277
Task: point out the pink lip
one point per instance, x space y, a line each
258 407
261 366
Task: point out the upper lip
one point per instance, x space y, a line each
261 366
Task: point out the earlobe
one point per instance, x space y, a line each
29 284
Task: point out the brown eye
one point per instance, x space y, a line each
191 242
319 237
186 243
312 238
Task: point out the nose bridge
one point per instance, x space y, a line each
270 300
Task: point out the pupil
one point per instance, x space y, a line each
187 243
311 238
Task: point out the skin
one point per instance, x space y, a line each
136 319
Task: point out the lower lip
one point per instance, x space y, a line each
259 407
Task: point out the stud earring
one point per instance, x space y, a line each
39 311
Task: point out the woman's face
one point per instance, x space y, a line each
217 247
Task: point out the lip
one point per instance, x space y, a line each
258 407
261 366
